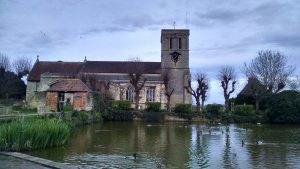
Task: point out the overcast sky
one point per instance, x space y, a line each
221 32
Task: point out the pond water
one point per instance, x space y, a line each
179 145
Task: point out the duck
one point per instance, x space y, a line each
258 142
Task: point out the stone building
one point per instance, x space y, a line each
46 76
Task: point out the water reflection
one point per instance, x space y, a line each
179 145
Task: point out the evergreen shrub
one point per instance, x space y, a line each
153 107
284 107
244 110
184 111
121 105
213 110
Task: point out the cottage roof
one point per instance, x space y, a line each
75 68
69 85
252 86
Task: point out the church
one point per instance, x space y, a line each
52 83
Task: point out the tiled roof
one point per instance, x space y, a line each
70 68
75 68
69 85
119 67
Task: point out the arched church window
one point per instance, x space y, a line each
130 94
171 43
179 43
150 94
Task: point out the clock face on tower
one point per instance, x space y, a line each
175 57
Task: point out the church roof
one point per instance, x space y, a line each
69 85
75 68
70 68
119 67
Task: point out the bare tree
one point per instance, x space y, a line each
4 62
101 86
121 87
96 84
136 79
200 93
168 90
271 69
203 92
22 66
294 83
227 79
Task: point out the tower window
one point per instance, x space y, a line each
150 94
179 43
171 43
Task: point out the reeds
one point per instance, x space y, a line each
33 134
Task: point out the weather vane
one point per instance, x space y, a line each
174 24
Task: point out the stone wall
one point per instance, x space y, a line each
34 87
30 90
116 93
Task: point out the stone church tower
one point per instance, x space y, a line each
175 61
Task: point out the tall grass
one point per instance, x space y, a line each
33 134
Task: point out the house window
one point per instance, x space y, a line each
150 94
130 94
179 43
171 43
78 97
88 100
61 97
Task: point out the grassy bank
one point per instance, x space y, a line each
33 134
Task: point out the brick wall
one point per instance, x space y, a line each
79 100
52 98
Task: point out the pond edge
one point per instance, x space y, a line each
37 160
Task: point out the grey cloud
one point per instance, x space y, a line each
126 23
284 39
265 13
44 41
138 21
106 28
40 40
218 15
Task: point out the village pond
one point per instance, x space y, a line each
179 145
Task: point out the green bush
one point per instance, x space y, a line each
244 110
153 107
97 117
68 108
245 119
284 107
121 105
7 102
83 116
33 134
118 115
213 110
68 116
155 116
184 111
24 109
